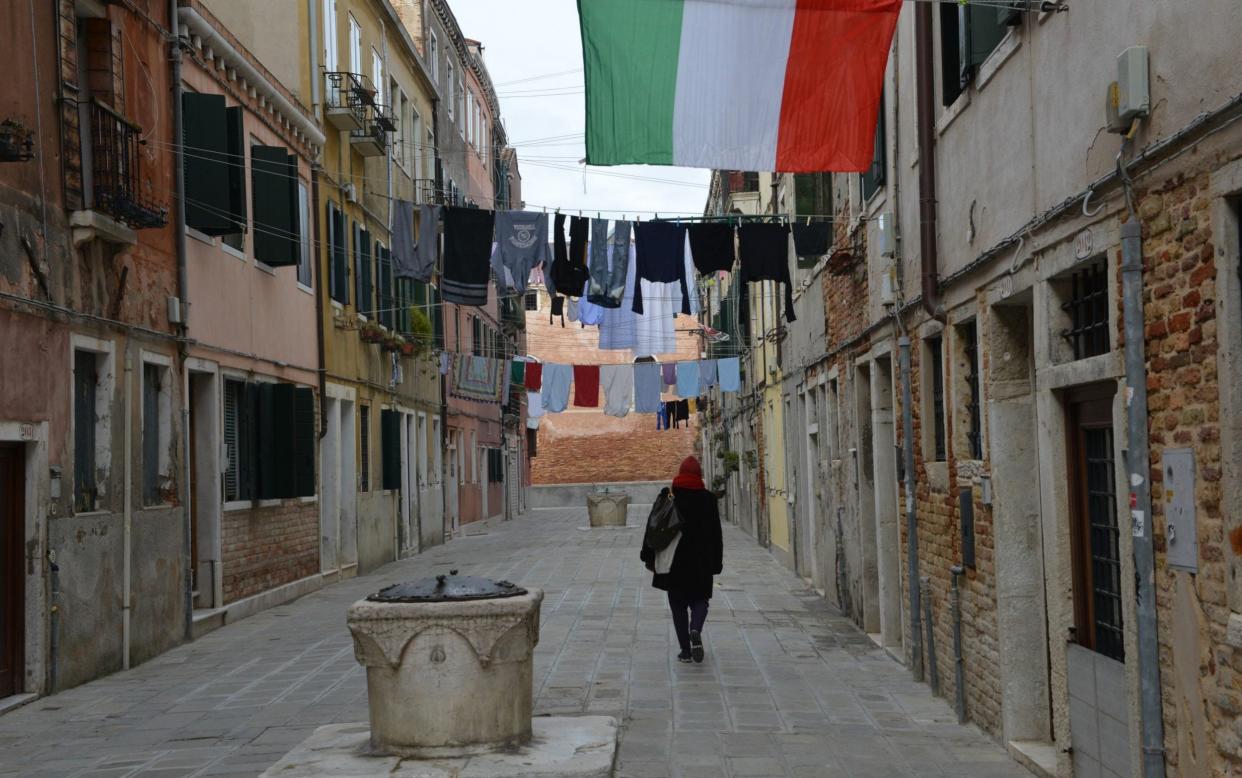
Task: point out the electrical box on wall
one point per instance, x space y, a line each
884 235
1177 492
888 286
1133 90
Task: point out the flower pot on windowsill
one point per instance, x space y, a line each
393 343
371 333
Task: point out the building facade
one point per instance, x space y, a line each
976 282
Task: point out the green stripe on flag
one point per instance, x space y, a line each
630 50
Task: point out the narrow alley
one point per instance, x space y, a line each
789 687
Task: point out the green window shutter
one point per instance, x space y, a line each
304 438
274 196
437 316
950 53
387 303
390 440
276 449
984 32
205 136
248 445
235 119
339 277
873 179
364 294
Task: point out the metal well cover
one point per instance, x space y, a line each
447 588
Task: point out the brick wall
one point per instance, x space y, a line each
263 548
1180 289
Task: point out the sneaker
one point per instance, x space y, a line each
696 645
684 657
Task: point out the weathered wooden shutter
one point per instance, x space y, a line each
950 53
273 183
304 441
235 121
205 135
362 259
247 444
387 303
390 442
84 382
234 393
277 460
339 276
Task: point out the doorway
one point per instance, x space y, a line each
12 578
864 496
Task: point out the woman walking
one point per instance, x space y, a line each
699 555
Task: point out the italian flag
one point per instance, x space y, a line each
780 85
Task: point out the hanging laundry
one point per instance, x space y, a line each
427 250
403 260
662 255
618 328
556 381
687 379
707 373
586 386
445 362
618 385
517 372
521 245
764 250
467 248
589 314
477 378
810 242
534 410
662 418
579 235
610 260
711 244
669 372
694 404
730 374
569 271
683 411
557 309
646 387
534 376
571 309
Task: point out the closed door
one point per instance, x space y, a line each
12 580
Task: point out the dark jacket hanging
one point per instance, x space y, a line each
764 251
467 255
711 247
569 269
661 258
811 240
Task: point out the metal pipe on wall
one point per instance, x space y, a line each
924 86
933 673
128 523
959 671
912 530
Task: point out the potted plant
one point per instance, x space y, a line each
392 342
371 332
732 462
421 332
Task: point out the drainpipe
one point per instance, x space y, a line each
912 525
1138 461
128 526
321 309
959 671
183 284
928 248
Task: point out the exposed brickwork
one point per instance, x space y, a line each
263 548
1180 289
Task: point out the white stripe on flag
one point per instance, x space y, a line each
730 79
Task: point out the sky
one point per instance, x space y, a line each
524 44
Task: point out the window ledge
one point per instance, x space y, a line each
305 288
999 56
201 237
951 113
265 268
93 225
232 252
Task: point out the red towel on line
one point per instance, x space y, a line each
586 386
534 376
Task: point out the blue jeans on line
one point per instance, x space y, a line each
687 615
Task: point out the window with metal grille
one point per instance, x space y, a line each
532 300
750 182
85 383
970 347
153 433
1105 558
1087 308
238 434
935 358
476 336
364 448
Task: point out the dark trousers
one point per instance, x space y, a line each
687 615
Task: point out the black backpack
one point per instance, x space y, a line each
663 524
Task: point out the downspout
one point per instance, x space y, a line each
912 524
928 249
128 526
1138 462
320 303
183 284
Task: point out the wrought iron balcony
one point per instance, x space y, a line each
371 140
116 163
349 96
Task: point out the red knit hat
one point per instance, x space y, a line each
690 476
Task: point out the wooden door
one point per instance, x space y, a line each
12 571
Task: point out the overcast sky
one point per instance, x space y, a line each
526 40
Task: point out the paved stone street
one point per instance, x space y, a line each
788 688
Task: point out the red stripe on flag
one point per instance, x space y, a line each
833 81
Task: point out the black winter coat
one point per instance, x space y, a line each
700 551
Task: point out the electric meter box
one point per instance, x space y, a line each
1177 491
1133 89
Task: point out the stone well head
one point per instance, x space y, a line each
449 664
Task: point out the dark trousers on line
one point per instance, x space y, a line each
687 615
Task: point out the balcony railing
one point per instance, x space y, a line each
349 95
116 162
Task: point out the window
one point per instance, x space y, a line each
215 180
390 449
935 375
364 448
156 434
364 295
338 259
813 195
377 78
92 398
461 95
968 34
832 409
355 46
401 104
970 350
495 465
433 55
423 446
1087 308
532 300
270 438
305 276
275 201
450 99
329 36
414 138
476 336
387 301
873 178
